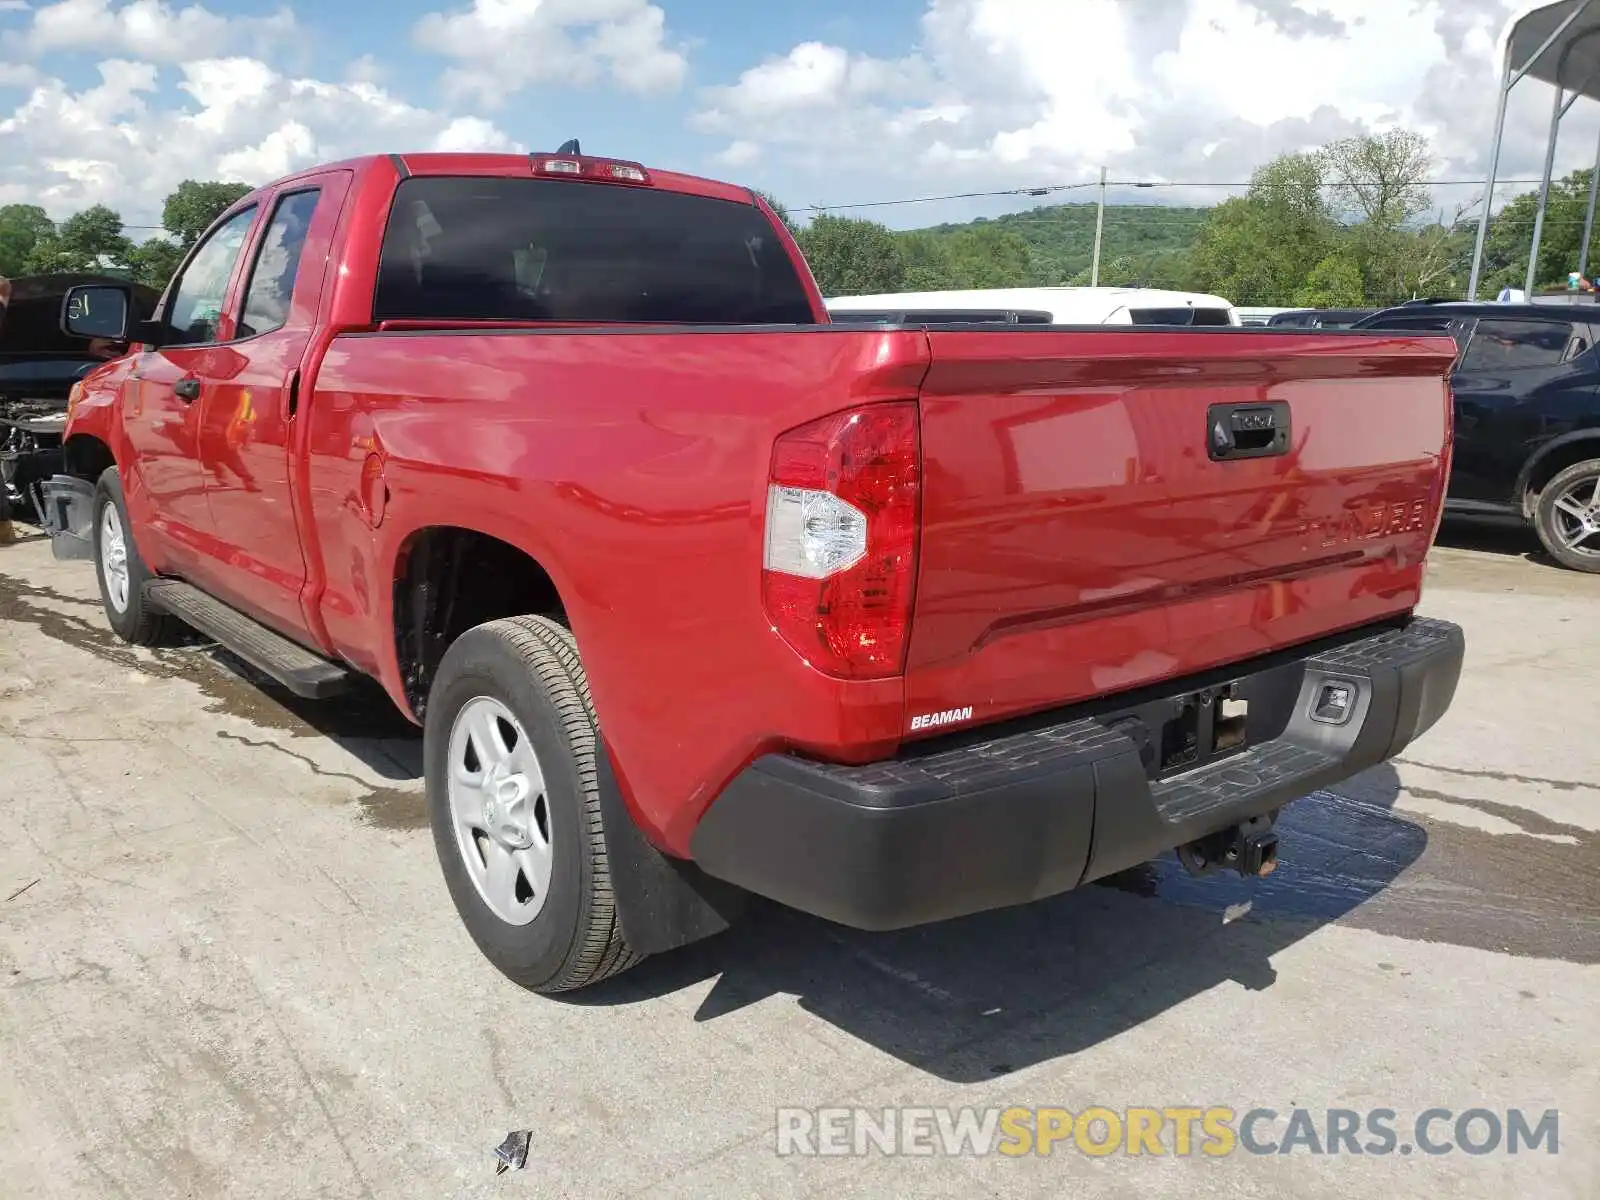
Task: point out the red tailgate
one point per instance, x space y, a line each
1080 536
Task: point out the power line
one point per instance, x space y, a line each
1050 189
1033 191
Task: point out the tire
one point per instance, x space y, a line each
1555 520
122 590
517 685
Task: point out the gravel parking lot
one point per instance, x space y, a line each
229 967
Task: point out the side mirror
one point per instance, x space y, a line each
98 310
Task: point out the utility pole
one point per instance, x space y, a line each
1588 217
1099 228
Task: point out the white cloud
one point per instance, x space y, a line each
243 121
467 134
289 146
737 154
17 75
811 76
502 46
152 30
1005 93
366 69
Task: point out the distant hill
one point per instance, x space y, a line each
1141 243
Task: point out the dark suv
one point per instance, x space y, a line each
1527 416
1318 318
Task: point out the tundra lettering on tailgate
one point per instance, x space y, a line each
1368 522
948 717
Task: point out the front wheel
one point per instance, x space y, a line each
121 571
509 751
1567 518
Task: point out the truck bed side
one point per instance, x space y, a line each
633 467
1097 553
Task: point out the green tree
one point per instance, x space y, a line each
22 227
851 257
1335 282
1260 248
190 210
154 261
1152 239
1289 191
91 240
927 263
988 256
1511 234
1380 178
1237 255
1379 182
1171 269
1439 256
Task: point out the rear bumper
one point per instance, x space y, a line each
1012 813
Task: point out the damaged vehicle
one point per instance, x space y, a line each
698 594
39 366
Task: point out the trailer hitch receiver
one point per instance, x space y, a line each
1250 848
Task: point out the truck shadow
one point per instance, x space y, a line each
363 721
999 992
987 995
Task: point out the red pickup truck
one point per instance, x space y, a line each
697 594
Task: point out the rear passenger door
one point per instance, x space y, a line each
1521 381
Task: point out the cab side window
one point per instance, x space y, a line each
272 276
1501 345
197 300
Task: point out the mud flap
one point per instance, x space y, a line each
68 511
662 902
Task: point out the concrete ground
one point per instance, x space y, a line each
229 967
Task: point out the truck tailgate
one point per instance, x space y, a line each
1106 509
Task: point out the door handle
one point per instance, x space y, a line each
187 389
1247 430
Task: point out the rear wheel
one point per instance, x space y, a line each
1567 518
120 570
509 751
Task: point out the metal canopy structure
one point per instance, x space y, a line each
1557 44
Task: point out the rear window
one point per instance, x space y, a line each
1179 316
559 250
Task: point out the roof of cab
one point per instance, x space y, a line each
515 165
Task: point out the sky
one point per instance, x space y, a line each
828 102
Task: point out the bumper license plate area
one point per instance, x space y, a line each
1193 730
1205 726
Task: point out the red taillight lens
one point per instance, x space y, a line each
840 560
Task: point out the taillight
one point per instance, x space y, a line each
840 561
